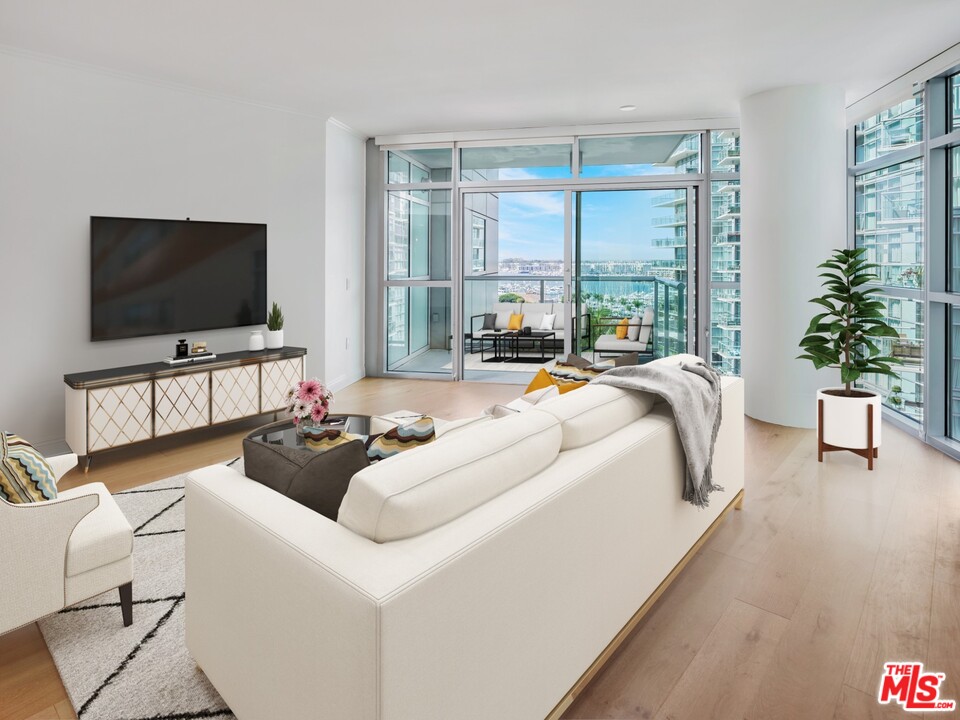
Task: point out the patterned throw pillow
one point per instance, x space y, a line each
401 438
25 475
379 447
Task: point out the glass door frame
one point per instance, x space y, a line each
699 233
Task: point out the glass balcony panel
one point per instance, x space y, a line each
419 166
955 102
893 129
889 222
725 151
954 399
418 235
954 280
725 230
903 393
639 155
516 162
419 330
725 330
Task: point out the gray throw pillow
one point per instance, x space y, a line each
489 321
316 480
626 360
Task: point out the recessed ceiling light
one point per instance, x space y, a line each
628 108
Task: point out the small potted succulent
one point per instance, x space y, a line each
844 337
274 335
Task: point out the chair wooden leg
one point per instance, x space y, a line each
126 603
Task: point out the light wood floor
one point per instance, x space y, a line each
788 611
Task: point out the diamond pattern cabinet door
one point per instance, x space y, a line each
276 378
181 403
118 415
235 393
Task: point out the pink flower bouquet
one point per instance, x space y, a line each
309 402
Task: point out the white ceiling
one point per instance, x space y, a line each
432 65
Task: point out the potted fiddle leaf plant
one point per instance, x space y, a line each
275 328
847 336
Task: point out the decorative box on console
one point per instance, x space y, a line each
120 406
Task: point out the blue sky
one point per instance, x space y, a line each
616 225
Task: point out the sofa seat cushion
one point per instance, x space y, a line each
611 343
102 537
434 484
596 411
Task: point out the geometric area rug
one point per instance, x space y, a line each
142 672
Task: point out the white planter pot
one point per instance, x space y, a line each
256 341
845 419
274 339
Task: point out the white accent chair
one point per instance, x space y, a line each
60 552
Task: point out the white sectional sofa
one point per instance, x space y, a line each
477 577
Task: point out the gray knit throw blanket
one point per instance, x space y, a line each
693 393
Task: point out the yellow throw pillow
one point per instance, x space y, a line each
516 321
622 327
540 381
544 379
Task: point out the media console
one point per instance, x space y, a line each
121 406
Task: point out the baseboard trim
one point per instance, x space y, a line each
597 665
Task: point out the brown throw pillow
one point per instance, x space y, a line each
628 359
316 480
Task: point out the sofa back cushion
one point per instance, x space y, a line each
533 313
422 489
646 329
594 411
503 311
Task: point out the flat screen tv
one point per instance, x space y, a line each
173 277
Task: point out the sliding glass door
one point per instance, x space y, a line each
514 264
635 251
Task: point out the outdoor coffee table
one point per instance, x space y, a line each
506 346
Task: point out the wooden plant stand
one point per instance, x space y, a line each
870 452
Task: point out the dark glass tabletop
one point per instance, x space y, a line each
284 432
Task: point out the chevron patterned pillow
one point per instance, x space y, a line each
25 475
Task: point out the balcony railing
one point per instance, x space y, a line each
670 220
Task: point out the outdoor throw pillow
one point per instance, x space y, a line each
633 331
623 328
489 321
516 321
315 480
25 475
548 321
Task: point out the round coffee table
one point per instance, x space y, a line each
284 432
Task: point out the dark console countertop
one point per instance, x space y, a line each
150 371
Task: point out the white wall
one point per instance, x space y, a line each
793 178
76 143
346 159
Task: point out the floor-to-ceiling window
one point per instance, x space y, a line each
585 230
905 208
417 261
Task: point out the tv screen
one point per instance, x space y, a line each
173 277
